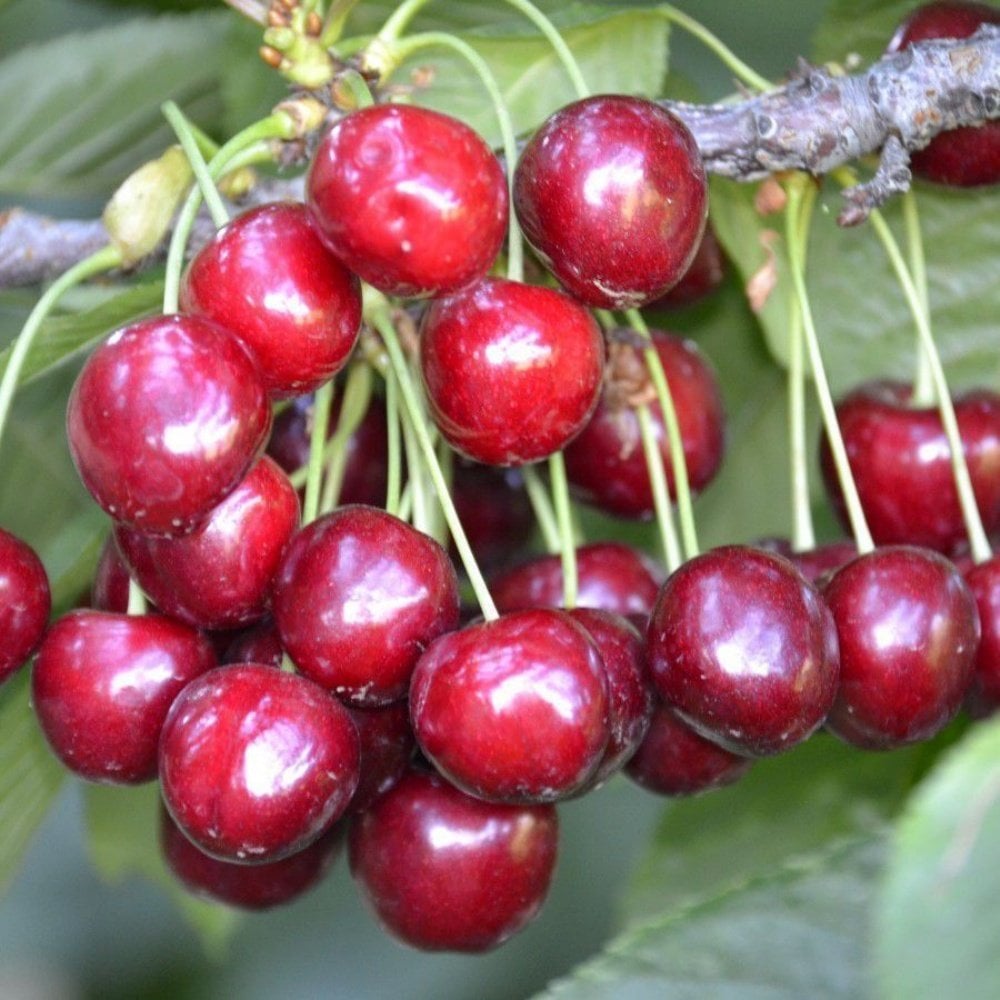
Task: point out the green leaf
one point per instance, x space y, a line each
801 931
937 917
863 27
123 840
91 112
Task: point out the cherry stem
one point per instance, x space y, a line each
105 259
357 87
137 604
322 404
541 504
411 405
923 382
564 520
357 396
682 485
336 18
415 476
189 144
661 491
393 493
798 214
803 533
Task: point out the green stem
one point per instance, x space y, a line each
682 485
541 504
415 475
137 604
189 144
798 214
661 491
103 260
357 396
322 403
803 533
393 493
358 87
558 43
564 518
336 18
923 382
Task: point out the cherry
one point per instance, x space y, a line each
247 887
412 200
219 576
387 745
164 420
908 631
611 193
674 760
494 510
512 371
703 276
513 710
815 564
255 763
110 587
447 872
612 577
965 157
102 685
358 596
25 602
260 643
983 695
900 461
745 650
606 464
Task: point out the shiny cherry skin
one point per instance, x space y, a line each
606 464
703 276
358 596
674 760
611 193
900 461
611 577
247 887
25 602
908 630
387 746
963 157
983 695
495 512
512 371
630 689
443 871
219 576
164 420
110 586
745 650
256 763
259 643
102 685
515 709
814 564
411 200
268 278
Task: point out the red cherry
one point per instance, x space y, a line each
260 643
220 575
255 763
25 602
102 685
900 461
495 512
745 650
387 746
446 872
110 587
703 276
268 278
512 371
164 420
611 193
513 710
606 464
358 596
908 631
410 199
815 564
983 695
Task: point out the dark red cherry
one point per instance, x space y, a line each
908 631
513 710
606 464
259 643
219 576
495 512
815 563
268 278
674 760
611 193
512 371
630 690
412 200
611 576
247 887
745 650
166 417
387 746
965 157
110 587
358 597
446 872
25 602
900 461
703 276
255 763
983 695
102 685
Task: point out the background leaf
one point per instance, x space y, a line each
863 27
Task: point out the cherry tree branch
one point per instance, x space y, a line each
816 122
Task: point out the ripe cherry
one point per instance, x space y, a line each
513 710
512 371
102 685
255 763
703 276
260 643
164 420
908 631
387 746
495 512
611 193
983 695
745 650
25 602
412 200
447 872
110 587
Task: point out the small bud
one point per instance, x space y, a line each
271 56
305 115
238 183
